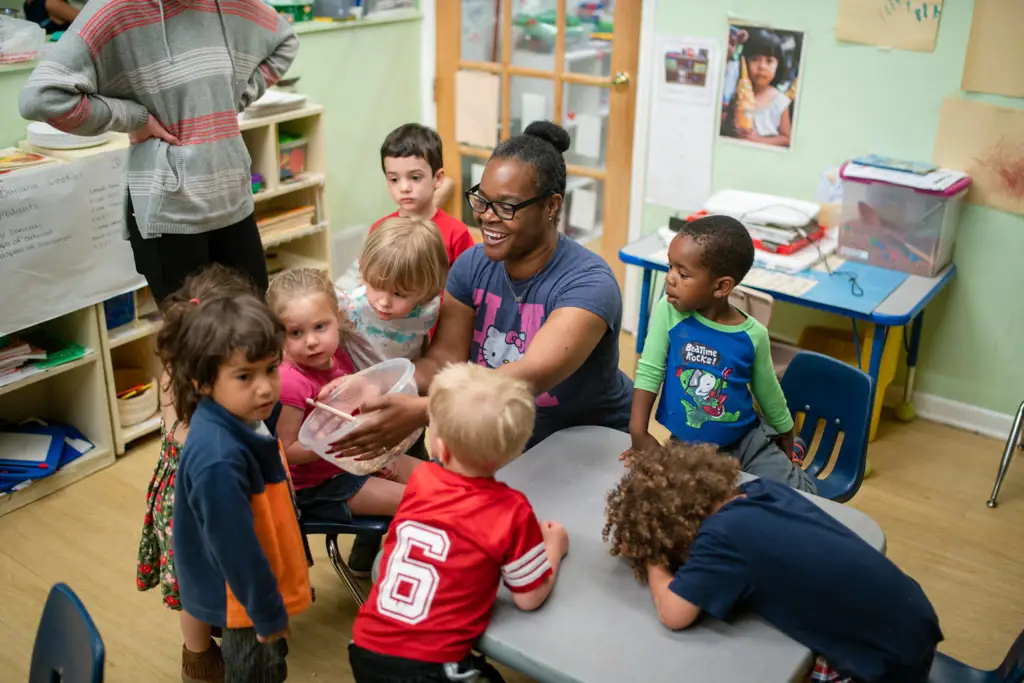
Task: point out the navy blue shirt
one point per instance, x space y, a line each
237 545
777 554
598 393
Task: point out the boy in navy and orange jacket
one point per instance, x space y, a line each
240 559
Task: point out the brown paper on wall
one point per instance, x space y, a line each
986 142
890 23
995 52
476 108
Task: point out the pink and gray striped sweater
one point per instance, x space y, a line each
194 65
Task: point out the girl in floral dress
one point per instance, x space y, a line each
201 659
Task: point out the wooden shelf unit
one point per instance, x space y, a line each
307 244
132 345
82 392
73 393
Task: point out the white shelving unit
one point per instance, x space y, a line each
82 392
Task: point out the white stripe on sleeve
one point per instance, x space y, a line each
528 568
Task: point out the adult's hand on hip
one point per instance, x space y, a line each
385 421
152 129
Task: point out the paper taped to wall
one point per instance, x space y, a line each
995 52
890 23
987 142
681 137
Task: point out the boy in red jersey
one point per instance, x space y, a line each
456 534
414 169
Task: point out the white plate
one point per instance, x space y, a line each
46 136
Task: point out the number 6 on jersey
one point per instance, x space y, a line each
409 585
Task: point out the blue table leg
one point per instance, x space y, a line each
906 412
645 310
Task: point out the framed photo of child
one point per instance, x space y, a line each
760 84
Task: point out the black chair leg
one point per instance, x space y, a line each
309 554
344 573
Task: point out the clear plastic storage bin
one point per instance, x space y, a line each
321 428
896 227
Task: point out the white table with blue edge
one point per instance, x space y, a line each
904 305
599 624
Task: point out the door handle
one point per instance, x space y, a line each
620 79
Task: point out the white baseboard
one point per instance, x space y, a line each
955 414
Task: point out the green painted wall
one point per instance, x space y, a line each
365 74
856 99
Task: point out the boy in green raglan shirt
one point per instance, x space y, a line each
712 361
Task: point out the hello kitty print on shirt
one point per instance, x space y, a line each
500 348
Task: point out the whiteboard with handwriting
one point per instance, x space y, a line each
60 240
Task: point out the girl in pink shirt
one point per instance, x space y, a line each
307 304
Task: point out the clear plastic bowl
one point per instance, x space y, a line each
322 428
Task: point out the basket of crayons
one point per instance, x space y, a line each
136 393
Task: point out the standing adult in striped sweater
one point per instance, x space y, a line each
173 74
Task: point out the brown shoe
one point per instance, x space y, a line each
202 667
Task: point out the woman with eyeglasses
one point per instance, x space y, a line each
528 302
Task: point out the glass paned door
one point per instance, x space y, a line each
568 61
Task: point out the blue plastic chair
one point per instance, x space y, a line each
825 389
945 669
331 531
68 647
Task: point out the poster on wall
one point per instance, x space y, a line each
987 143
760 84
682 132
895 24
61 247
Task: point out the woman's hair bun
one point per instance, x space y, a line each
550 132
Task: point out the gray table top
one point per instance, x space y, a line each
905 300
599 625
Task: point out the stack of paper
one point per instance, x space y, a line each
14 353
938 180
787 263
274 102
800 260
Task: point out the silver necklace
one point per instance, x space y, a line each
517 297
529 281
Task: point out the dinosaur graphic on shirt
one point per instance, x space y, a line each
707 392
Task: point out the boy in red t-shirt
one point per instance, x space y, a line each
456 535
413 166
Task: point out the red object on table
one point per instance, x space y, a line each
783 249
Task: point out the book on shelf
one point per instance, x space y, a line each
22 357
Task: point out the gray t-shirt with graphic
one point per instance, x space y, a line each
598 393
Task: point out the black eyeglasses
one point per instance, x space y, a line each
506 211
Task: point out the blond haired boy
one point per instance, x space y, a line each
403 268
456 535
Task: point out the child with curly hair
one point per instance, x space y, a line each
705 543
711 361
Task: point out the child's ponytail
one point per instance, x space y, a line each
214 281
